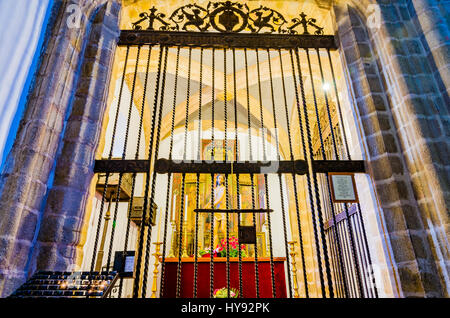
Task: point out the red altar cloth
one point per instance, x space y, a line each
220 277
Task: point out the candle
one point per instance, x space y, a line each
174 206
159 226
185 207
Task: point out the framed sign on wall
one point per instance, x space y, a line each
343 187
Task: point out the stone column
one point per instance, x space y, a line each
436 37
422 117
64 213
24 181
395 92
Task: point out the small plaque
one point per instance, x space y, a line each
124 263
247 234
129 264
343 187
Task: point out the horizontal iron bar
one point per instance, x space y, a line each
226 40
351 166
121 166
242 167
233 210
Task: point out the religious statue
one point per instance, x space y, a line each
219 203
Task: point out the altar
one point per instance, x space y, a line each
195 229
220 276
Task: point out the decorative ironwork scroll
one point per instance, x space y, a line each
305 23
226 17
264 18
151 19
190 16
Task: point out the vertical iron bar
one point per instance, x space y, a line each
109 157
366 244
278 157
340 259
322 147
361 255
180 236
314 176
172 128
166 220
119 183
308 175
186 126
334 246
332 239
349 228
147 183
343 265
138 144
344 135
198 175
336 271
291 153
211 239
152 193
251 175
364 254
237 175
197 199
225 110
348 261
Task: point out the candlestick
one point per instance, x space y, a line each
98 265
174 234
294 268
155 271
185 240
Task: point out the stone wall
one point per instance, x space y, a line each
25 180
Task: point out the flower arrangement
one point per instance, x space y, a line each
223 293
232 246
221 249
207 252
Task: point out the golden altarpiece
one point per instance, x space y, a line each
220 203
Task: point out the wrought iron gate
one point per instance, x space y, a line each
251 144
